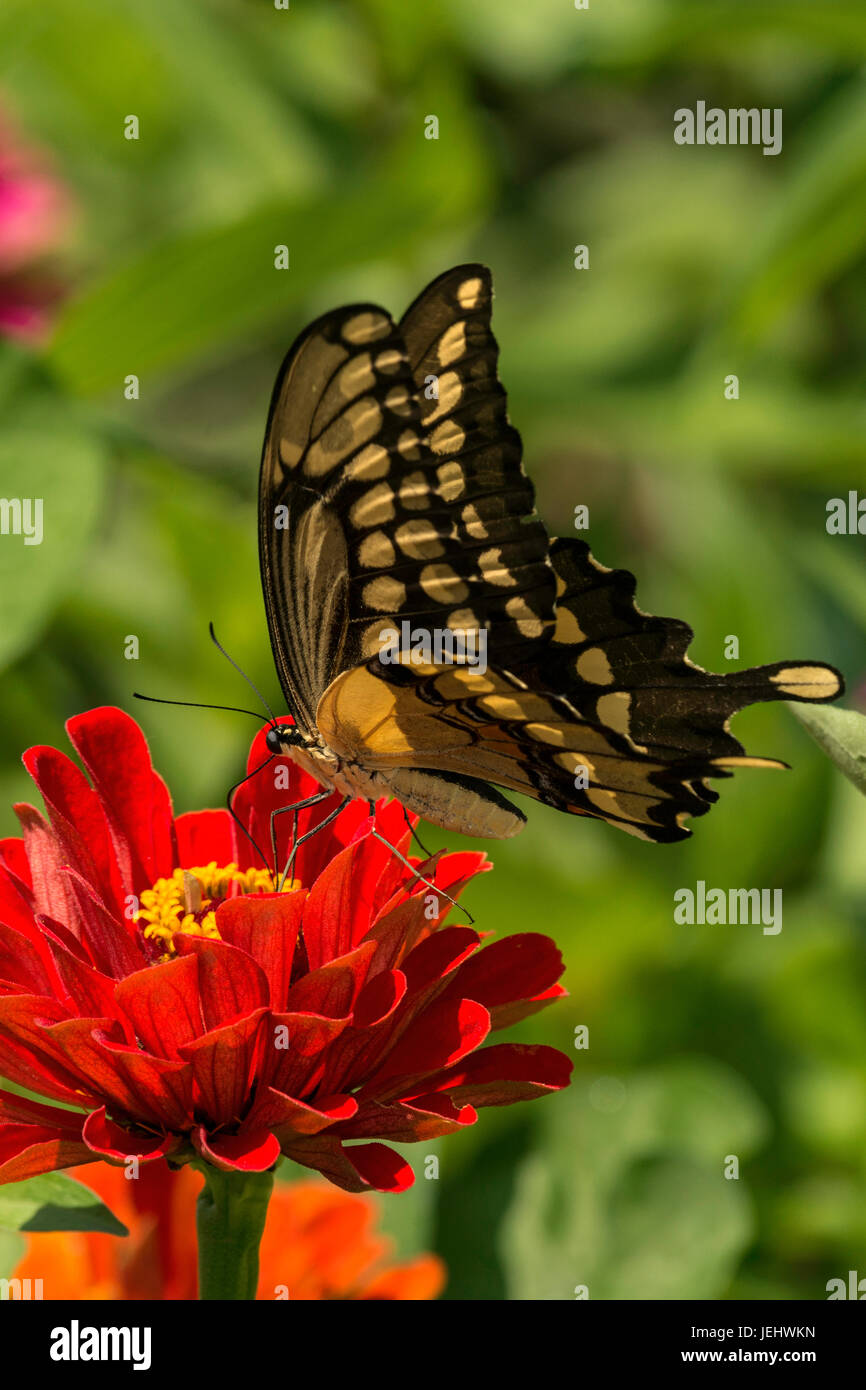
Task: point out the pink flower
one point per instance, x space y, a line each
35 216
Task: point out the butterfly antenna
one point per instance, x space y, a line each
195 704
232 662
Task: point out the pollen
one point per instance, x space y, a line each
186 903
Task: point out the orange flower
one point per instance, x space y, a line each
319 1243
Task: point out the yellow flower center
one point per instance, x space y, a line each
187 901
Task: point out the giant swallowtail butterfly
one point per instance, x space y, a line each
392 490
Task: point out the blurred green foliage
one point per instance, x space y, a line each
306 127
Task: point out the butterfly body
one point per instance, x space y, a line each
392 496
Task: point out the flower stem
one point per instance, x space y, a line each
230 1218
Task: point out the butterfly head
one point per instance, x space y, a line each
279 735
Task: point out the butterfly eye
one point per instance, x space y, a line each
273 739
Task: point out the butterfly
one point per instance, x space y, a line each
393 500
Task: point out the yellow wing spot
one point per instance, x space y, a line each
389 361
372 462
458 683
613 710
440 583
593 666
560 586
356 376
568 629
528 623
463 620
376 551
494 571
450 480
372 640
625 804
385 593
419 539
470 293
290 452
447 438
409 445
374 507
415 492
554 734
366 327
397 400
450 391
523 706
355 426
807 682
473 523
452 344
572 761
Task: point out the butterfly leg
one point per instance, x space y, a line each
419 878
309 835
295 807
415 836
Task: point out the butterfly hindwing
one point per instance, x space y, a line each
629 671
489 727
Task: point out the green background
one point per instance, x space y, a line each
306 127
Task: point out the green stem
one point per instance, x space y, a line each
230 1218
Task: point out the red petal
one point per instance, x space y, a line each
13 857
22 963
136 801
204 837
252 1152
440 1036
110 941
128 1081
503 1074
333 989
230 983
428 1117
285 1115
30 1059
297 1069
77 820
110 1141
166 1086
357 1169
52 888
162 1004
517 968
266 928
28 1150
224 1064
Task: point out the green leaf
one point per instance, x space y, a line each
842 735
55 1202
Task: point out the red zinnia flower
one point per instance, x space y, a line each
318 1243
147 977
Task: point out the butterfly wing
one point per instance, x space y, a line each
629 672
392 490
383 498
490 727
